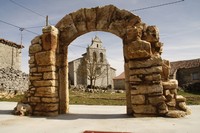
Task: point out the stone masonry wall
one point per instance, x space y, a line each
10 57
43 89
13 80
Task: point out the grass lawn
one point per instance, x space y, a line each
109 99
97 98
192 98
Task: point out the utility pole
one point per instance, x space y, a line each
47 20
107 74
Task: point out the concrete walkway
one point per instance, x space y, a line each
96 118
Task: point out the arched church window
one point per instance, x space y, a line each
101 57
94 56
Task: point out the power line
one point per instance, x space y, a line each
20 28
27 8
78 46
164 4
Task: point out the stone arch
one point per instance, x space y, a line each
149 92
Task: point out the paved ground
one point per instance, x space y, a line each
98 118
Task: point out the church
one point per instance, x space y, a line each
92 68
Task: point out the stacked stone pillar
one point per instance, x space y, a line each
43 87
144 77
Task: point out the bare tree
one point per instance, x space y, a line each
94 69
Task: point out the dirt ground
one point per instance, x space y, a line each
96 118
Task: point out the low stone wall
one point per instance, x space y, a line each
13 80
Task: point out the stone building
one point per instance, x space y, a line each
10 54
93 63
11 76
119 82
186 71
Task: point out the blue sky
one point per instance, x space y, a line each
179 26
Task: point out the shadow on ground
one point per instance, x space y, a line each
5 112
72 116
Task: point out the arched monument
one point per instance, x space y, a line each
149 91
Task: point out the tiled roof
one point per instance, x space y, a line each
9 43
121 76
184 64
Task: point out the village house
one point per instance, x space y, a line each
119 82
92 64
186 71
10 54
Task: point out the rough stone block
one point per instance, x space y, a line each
90 15
35 48
79 20
153 77
147 71
138 50
162 106
46 92
152 34
166 70
180 98
175 113
171 84
182 106
104 15
32 77
33 69
35 99
121 19
49 41
134 32
31 65
171 103
173 91
146 89
45 58
42 83
67 29
134 78
166 92
47 69
144 109
46 107
36 40
156 100
50 29
50 100
31 60
50 75
153 61
169 97
23 109
138 99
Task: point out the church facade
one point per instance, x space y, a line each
92 68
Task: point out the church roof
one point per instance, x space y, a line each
9 43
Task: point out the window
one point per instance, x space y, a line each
196 76
101 57
94 56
